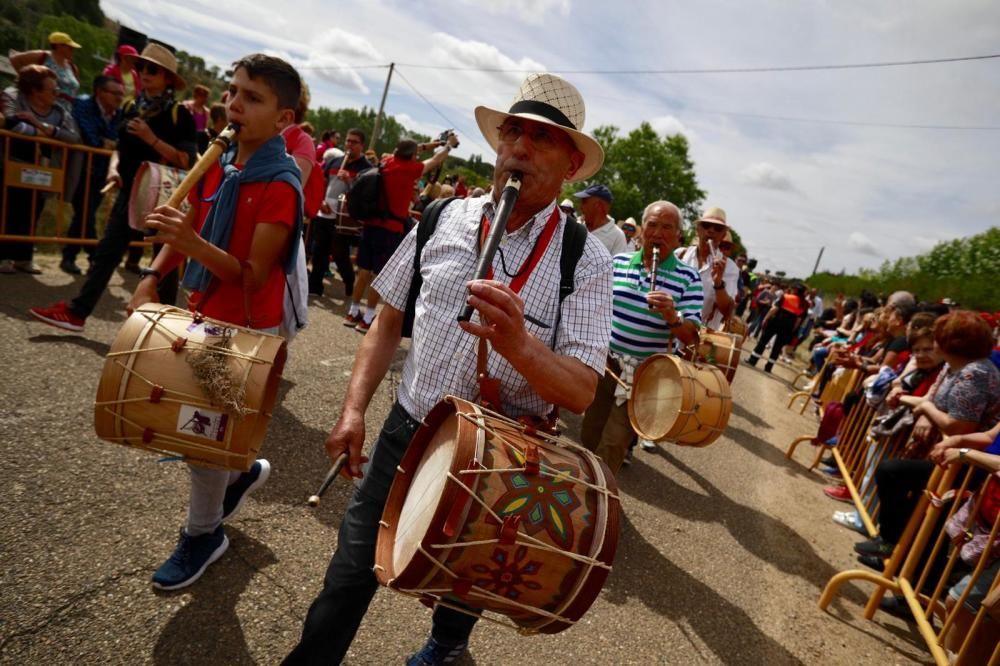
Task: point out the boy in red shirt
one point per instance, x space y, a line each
240 237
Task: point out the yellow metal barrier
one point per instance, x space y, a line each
971 638
46 179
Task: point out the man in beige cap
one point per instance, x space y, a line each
547 345
719 275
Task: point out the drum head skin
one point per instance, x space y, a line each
657 397
425 492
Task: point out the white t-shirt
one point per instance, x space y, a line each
731 276
612 237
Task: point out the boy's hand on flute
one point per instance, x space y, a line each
172 230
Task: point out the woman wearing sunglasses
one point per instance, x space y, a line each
156 128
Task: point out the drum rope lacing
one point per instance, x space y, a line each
161 436
191 399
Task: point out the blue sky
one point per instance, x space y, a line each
866 193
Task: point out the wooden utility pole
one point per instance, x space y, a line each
816 265
381 107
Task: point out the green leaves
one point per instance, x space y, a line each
642 167
963 269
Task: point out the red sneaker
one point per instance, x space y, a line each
352 320
363 326
839 493
59 315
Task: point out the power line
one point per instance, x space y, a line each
721 70
438 111
826 121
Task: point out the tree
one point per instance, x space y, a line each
643 167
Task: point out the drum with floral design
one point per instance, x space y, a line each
487 513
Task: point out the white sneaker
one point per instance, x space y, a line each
647 445
7 267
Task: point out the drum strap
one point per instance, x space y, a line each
246 277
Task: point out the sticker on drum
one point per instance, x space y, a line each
211 330
202 422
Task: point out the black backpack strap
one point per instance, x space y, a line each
425 228
573 242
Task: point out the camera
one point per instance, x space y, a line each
445 135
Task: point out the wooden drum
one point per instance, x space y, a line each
736 326
153 186
491 514
148 396
675 400
719 349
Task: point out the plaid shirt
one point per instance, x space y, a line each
442 359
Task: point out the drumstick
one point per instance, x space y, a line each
507 200
618 379
338 465
108 187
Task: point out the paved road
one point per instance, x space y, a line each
722 554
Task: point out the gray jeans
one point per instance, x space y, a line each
208 489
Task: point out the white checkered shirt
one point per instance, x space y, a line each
442 358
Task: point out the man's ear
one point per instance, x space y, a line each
575 162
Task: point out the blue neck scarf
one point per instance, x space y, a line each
271 162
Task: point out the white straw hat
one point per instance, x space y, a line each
548 99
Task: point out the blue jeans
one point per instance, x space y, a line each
350 583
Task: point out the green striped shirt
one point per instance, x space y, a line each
635 329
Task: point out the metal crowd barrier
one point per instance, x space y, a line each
852 430
954 633
47 180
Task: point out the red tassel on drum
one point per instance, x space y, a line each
178 344
531 460
156 394
461 587
147 435
508 530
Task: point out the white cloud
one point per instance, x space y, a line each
448 50
409 122
861 243
670 125
768 176
527 11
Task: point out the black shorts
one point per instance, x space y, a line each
377 245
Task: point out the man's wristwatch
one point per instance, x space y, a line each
146 272
721 284
962 453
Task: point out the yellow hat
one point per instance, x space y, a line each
62 38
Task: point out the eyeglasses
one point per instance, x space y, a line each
114 92
147 67
541 137
712 226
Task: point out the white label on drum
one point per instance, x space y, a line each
209 330
202 422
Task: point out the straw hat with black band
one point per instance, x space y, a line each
160 55
548 99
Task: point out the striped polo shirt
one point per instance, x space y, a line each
635 329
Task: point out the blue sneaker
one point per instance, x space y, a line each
434 653
237 492
190 559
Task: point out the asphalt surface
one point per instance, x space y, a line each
722 553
